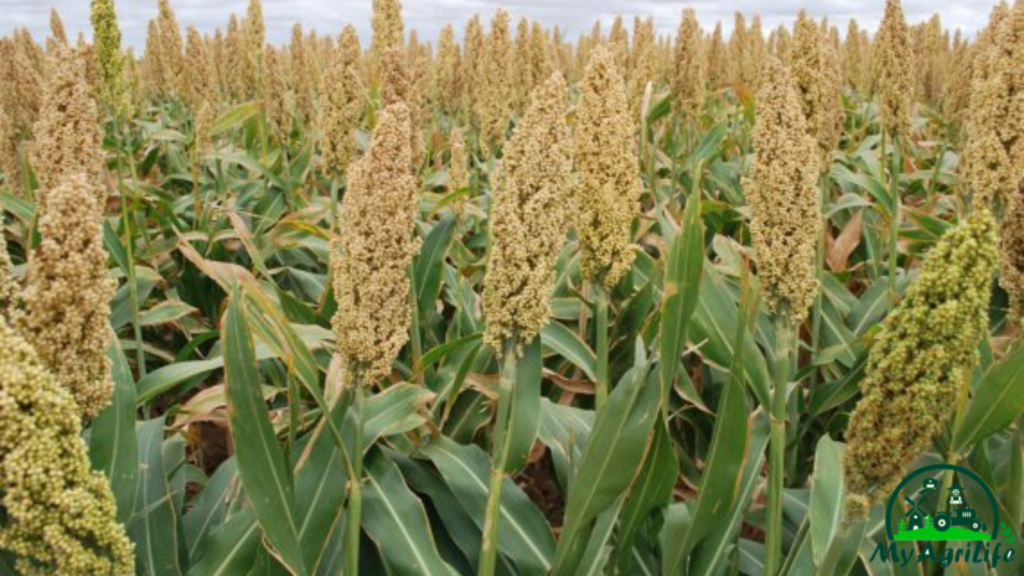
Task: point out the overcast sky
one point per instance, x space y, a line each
428 16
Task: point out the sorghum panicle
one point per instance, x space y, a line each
783 197
608 190
917 361
528 219
690 65
371 259
60 516
67 293
110 60
67 133
815 67
893 67
341 104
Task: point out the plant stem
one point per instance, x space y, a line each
414 338
1015 490
601 305
819 299
133 287
489 546
355 498
894 227
784 331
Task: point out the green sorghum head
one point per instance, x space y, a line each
60 516
925 347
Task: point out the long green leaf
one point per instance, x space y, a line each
524 536
113 447
154 528
261 462
681 292
998 401
524 417
395 519
611 461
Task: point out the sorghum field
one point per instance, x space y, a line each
508 302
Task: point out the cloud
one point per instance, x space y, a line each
429 16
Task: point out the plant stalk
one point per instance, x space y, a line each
133 287
784 334
894 224
489 546
601 305
355 498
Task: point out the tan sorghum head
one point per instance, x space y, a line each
473 47
783 197
494 105
642 65
690 65
375 248
251 46
919 358
447 93
528 219
608 190
815 67
522 67
458 171
10 162
204 119
893 69
341 104
398 86
303 72
67 293
278 98
388 32
718 57
856 52
58 35
67 133
21 87
957 97
60 516
198 80
172 51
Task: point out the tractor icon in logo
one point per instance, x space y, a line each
957 517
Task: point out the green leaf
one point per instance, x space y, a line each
713 554
997 402
681 291
166 312
395 519
652 490
524 537
154 528
235 117
568 345
113 448
715 325
611 460
210 508
232 547
730 441
826 499
524 416
261 462
429 264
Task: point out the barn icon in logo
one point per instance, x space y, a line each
932 513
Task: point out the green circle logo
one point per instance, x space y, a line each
940 513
